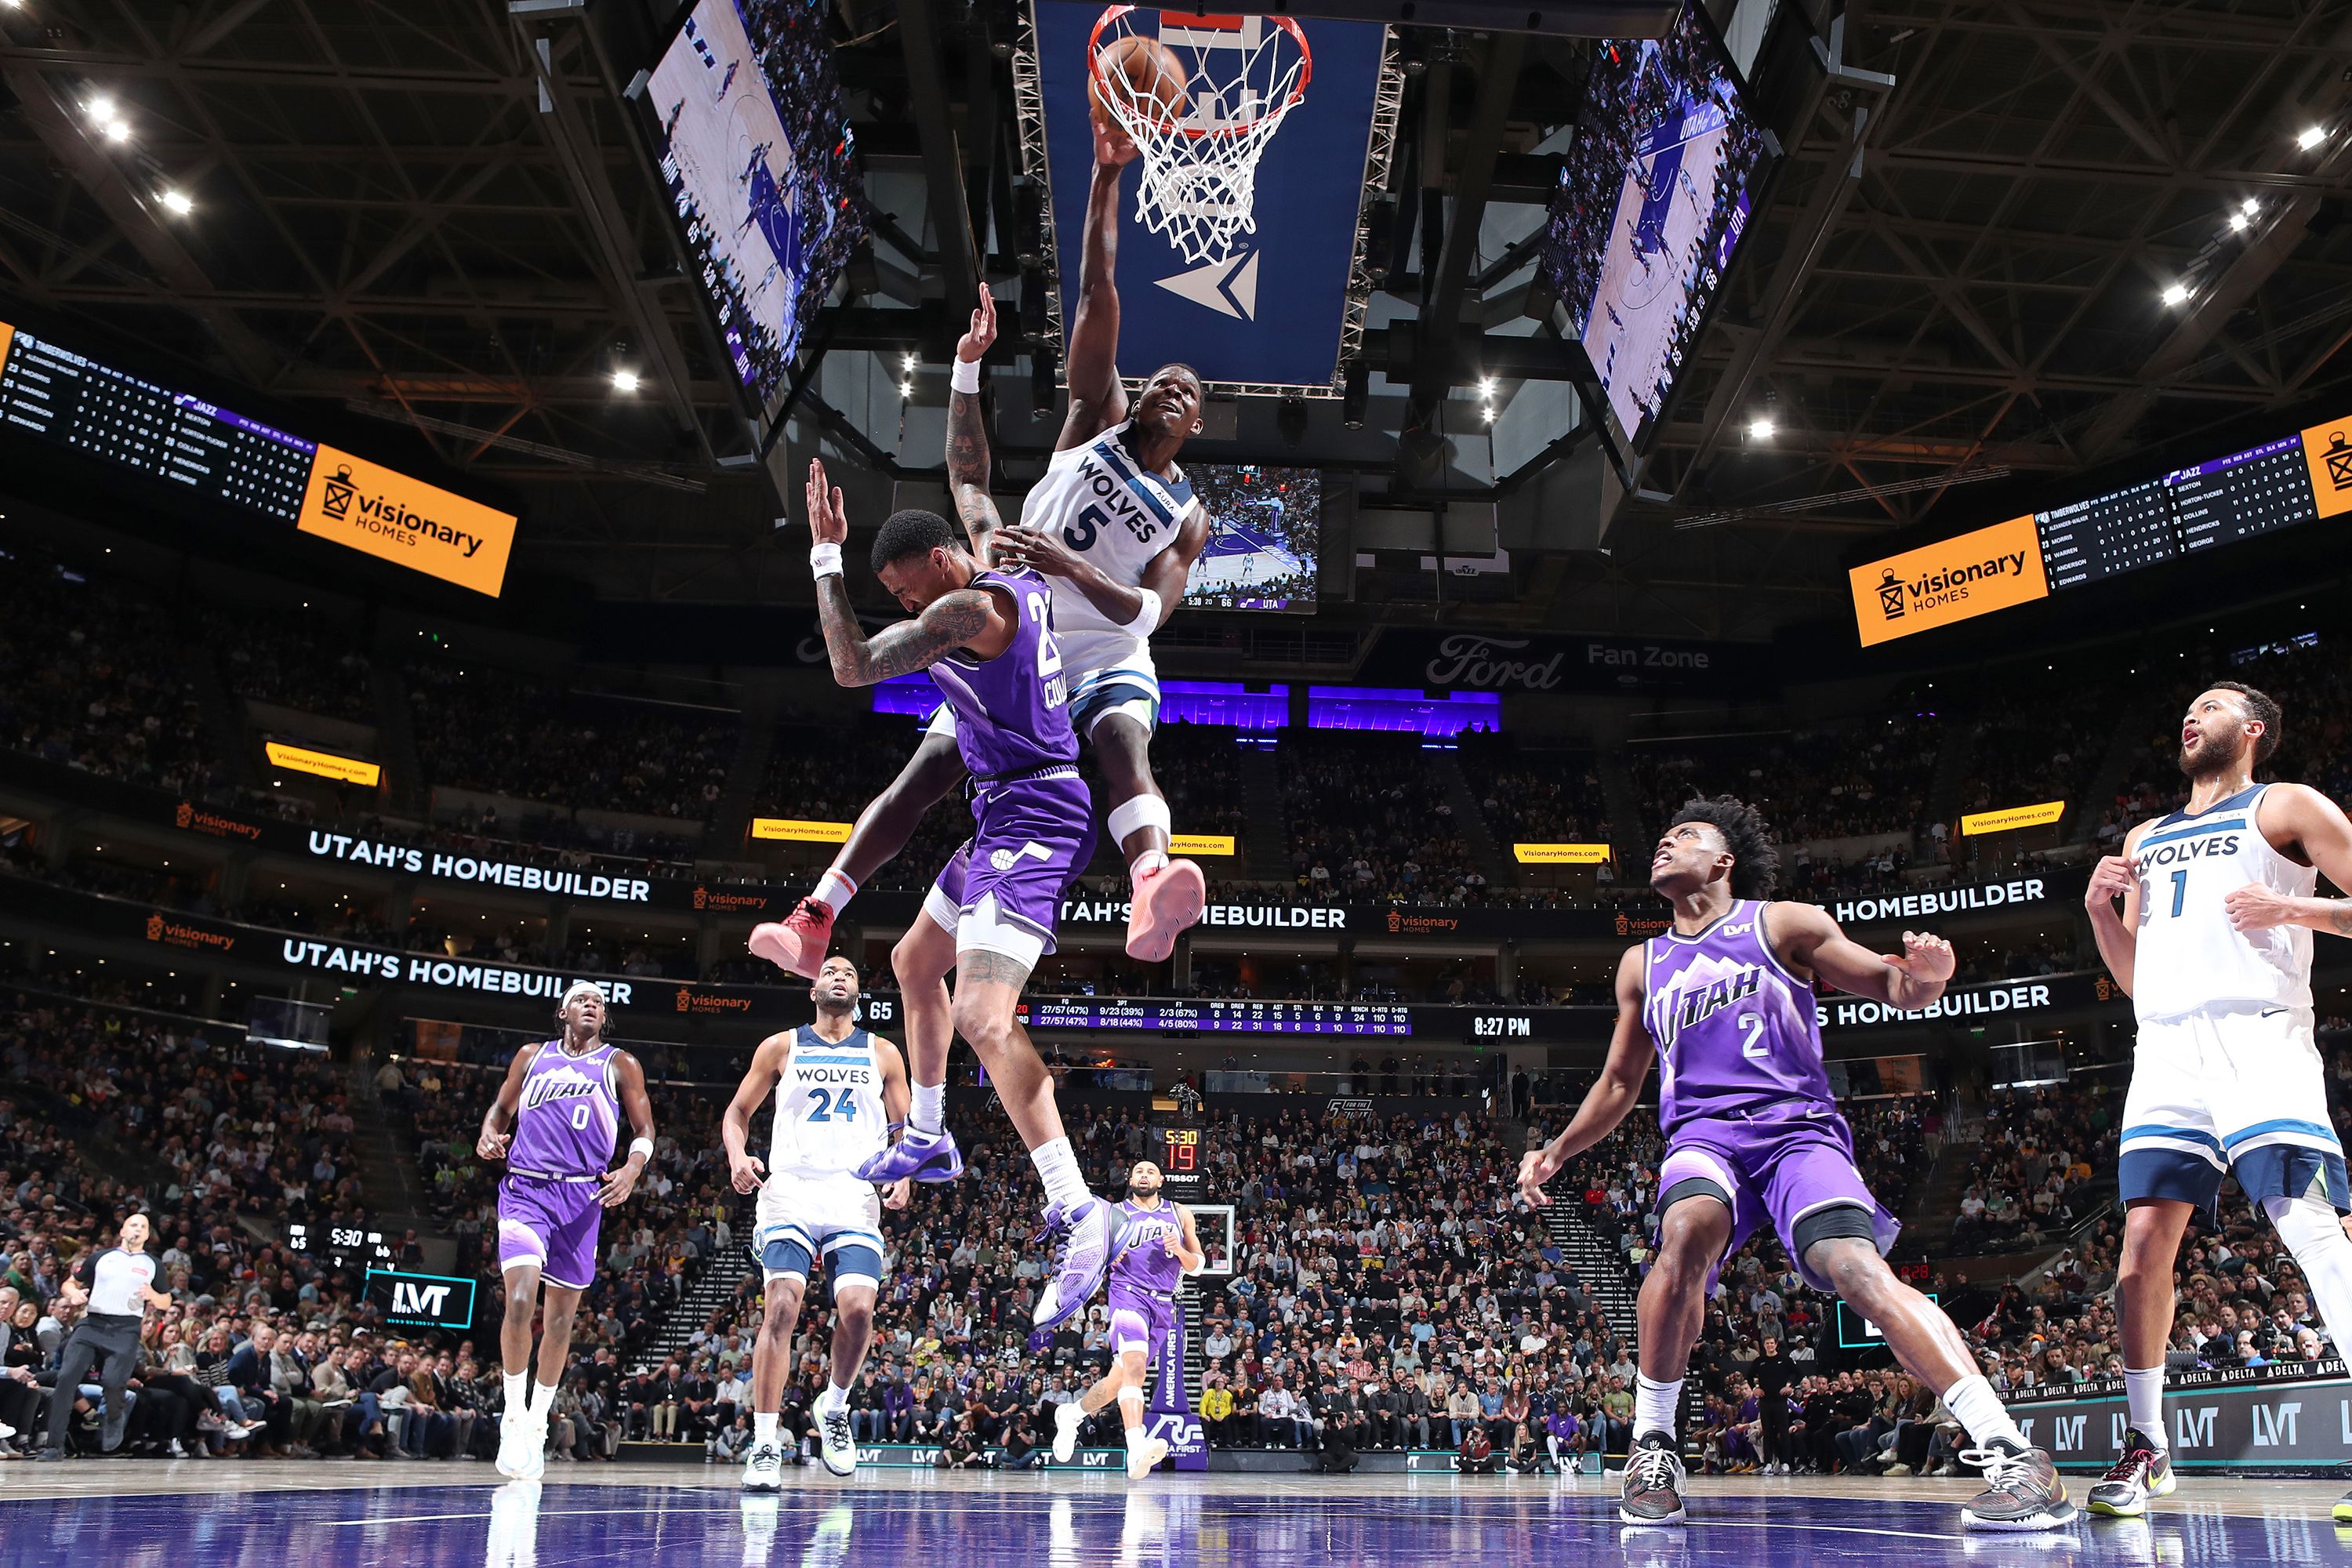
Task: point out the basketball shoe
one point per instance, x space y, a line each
763 1468
2145 1471
1166 901
1652 1493
837 1442
796 944
1088 1235
925 1156
2023 1490
1143 1454
1067 1419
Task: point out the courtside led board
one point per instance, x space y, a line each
1268 309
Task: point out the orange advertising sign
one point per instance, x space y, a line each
7 335
2329 449
406 522
1949 581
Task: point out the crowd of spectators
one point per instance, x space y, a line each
293 659
1854 781
1367 823
1535 797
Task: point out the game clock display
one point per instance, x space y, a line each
1183 1165
337 1244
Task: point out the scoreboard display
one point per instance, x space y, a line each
1183 1165
1217 1017
53 393
339 1245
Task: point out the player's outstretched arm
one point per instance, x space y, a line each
1098 400
1806 937
968 454
1610 1098
968 617
500 1116
745 1170
2316 825
2116 930
621 1181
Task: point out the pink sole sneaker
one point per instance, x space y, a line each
1166 902
795 944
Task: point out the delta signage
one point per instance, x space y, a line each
367 507
1948 582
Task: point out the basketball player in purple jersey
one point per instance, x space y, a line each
1753 1133
1115 524
987 637
554 1122
1158 1245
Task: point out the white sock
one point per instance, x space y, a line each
763 1425
1655 1405
516 1385
544 1405
1134 1437
926 1107
1979 1410
1150 860
1057 1167
2144 1397
834 1397
834 891
2316 1238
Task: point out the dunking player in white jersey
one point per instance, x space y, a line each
1115 525
2212 940
839 1090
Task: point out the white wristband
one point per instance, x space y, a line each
644 1146
824 560
1147 620
965 377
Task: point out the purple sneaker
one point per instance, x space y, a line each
926 1157
1088 1237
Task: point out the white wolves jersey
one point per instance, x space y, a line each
1110 509
829 1115
2189 959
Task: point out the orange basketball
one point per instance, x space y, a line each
1146 78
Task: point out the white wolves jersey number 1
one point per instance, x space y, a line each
1111 510
829 1116
2189 959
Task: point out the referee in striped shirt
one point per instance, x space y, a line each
117 1287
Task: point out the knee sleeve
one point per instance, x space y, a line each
1131 1395
1143 811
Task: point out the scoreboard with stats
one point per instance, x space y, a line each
1183 1167
1217 1017
55 394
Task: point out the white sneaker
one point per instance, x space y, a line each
532 1455
763 1471
1067 1419
1144 1457
836 1440
510 1459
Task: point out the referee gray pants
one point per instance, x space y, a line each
111 1337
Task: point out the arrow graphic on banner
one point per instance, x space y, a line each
1228 288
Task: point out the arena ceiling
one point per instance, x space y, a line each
432 213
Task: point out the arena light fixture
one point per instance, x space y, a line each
2238 222
625 380
2175 293
1762 427
2312 136
2251 206
177 204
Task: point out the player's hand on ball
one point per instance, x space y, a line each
2256 908
894 1195
973 345
2111 878
747 1173
616 1186
1925 957
1113 149
492 1145
828 523
1536 1168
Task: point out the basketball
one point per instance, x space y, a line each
1147 77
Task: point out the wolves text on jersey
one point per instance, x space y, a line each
1112 492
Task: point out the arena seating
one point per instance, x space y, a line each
1369 823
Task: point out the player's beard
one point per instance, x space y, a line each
2213 754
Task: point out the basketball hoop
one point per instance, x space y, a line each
1200 167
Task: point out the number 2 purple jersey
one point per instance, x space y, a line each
1013 711
1736 1032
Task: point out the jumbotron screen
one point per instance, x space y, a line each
1266 534
761 163
1650 209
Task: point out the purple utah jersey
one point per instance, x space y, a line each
1144 1276
1013 711
1743 1095
1735 1030
565 1128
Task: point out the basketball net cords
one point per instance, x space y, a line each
1200 190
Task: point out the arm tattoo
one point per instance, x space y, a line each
2339 919
968 469
948 623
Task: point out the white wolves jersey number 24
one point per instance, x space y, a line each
829 1116
2189 959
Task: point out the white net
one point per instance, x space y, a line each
1199 186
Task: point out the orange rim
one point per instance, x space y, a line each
1297 88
